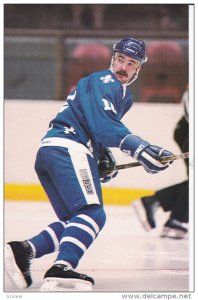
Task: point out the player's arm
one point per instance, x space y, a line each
148 155
102 113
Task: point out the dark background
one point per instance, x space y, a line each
49 47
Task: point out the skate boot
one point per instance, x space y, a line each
18 256
145 209
174 229
62 278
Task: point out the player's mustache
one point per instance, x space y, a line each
122 73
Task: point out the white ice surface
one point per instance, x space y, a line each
124 258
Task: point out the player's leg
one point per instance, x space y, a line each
180 210
145 208
78 235
19 254
81 193
173 199
176 225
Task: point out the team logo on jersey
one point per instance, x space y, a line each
107 79
68 130
108 105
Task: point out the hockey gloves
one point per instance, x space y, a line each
106 166
147 154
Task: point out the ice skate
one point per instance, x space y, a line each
61 278
174 229
18 257
145 209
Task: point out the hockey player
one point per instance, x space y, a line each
173 199
74 148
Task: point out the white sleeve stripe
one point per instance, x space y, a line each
74 241
83 227
91 221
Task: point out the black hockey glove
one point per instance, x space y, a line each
106 166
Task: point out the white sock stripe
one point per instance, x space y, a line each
91 221
64 223
83 227
53 237
73 241
33 248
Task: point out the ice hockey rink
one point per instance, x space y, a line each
124 258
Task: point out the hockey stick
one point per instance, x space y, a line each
162 159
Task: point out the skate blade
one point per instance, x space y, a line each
12 269
65 284
140 213
172 233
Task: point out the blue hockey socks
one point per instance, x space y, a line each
48 240
79 234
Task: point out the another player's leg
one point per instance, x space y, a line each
173 199
145 209
177 224
174 229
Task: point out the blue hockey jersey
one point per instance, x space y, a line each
92 113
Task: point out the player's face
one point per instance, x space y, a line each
124 67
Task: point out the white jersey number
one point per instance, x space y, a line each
108 105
